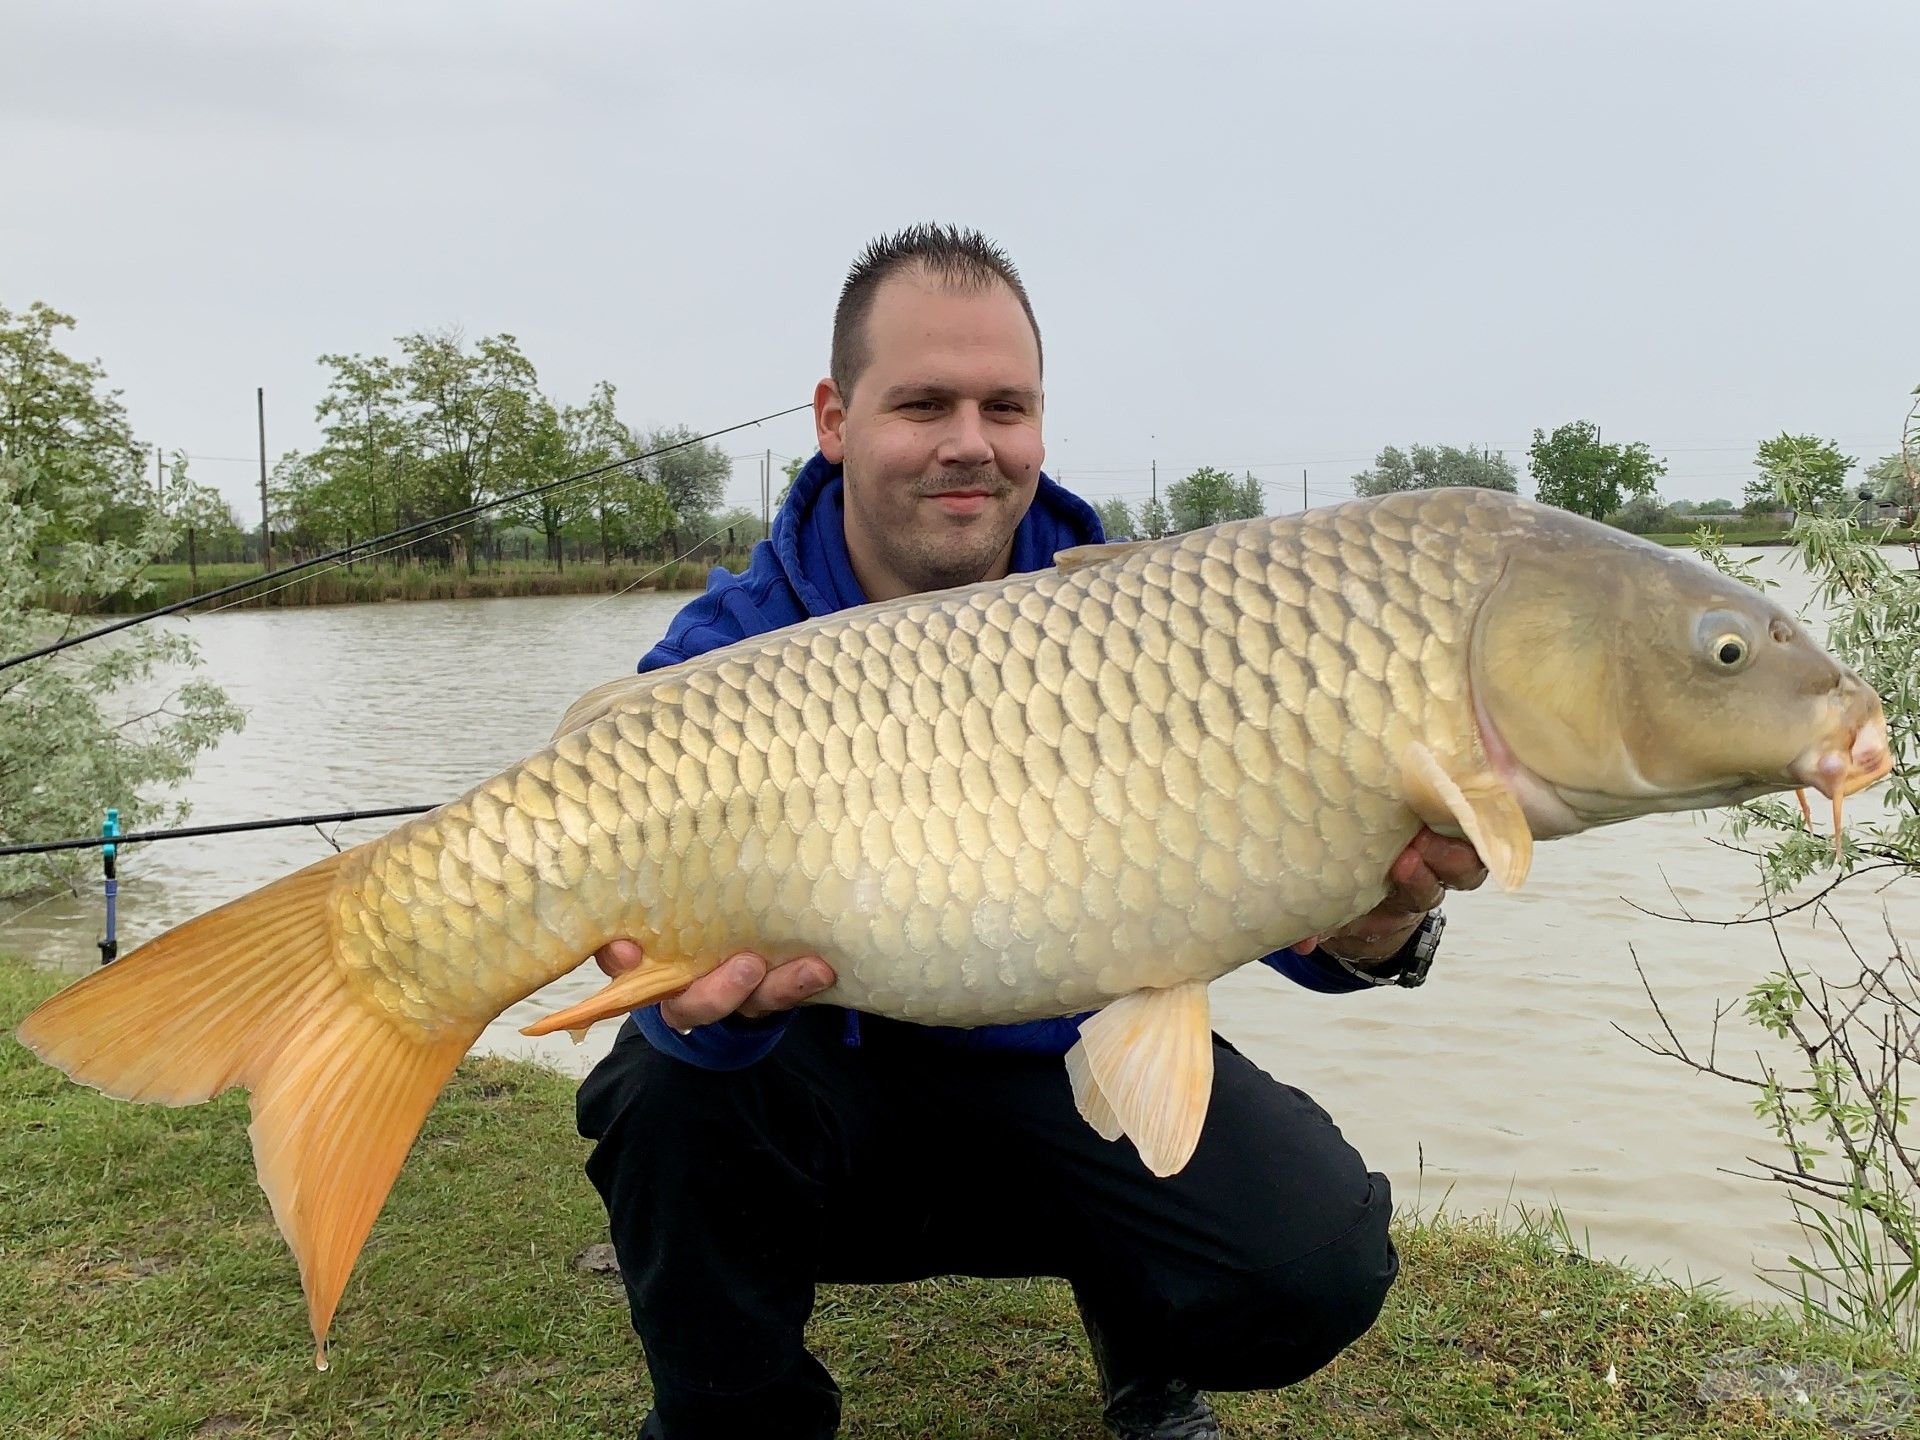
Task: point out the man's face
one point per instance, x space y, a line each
940 438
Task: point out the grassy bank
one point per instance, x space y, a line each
145 1292
371 583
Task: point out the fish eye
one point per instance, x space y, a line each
1725 641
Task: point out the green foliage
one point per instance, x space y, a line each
446 425
1896 479
92 727
1154 521
692 477
199 509
1799 472
77 462
1574 469
74 740
1210 497
795 464
1843 1120
1116 518
1428 467
1643 515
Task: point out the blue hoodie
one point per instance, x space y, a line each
802 572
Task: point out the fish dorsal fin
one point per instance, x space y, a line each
1079 555
1480 804
603 699
1143 1067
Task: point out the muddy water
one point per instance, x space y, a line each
1503 1080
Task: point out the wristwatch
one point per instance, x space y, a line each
1407 966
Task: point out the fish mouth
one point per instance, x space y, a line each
1857 757
1847 763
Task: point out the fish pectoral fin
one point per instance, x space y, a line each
1143 1067
1088 1098
647 982
1481 805
1077 556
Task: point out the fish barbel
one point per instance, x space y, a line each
1096 787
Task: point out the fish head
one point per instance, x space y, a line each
1613 677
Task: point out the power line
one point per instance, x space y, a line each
444 521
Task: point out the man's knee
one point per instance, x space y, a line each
1260 1329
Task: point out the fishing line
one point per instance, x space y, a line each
444 521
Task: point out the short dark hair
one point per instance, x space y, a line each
960 259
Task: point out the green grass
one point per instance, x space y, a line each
144 1292
371 584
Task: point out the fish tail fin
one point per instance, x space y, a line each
250 994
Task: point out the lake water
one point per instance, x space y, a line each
1504 1079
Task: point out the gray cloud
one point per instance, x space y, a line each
1255 235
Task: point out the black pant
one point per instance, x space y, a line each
731 1193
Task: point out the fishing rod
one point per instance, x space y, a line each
137 837
450 518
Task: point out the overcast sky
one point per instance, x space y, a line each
1267 236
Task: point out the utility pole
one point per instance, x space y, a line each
159 478
266 532
766 496
1303 489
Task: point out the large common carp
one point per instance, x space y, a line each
1097 787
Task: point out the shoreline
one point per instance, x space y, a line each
387 585
363 585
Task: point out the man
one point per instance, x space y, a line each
748 1149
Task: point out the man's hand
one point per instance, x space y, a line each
1430 866
744 985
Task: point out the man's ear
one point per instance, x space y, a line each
829 418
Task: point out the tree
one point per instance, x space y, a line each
78 463
72 741
1574 470
795 464
1206 497
1249 500
1154 521
1643 515
1430 467
476 420
570 441
1116 518
1799 472
1896 479
694 478
199 513
365 475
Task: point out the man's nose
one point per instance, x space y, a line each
966 441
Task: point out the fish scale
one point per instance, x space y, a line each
1003 802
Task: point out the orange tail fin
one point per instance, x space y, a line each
250 995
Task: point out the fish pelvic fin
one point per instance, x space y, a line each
1480 804
1143 1067
251 995
647 982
